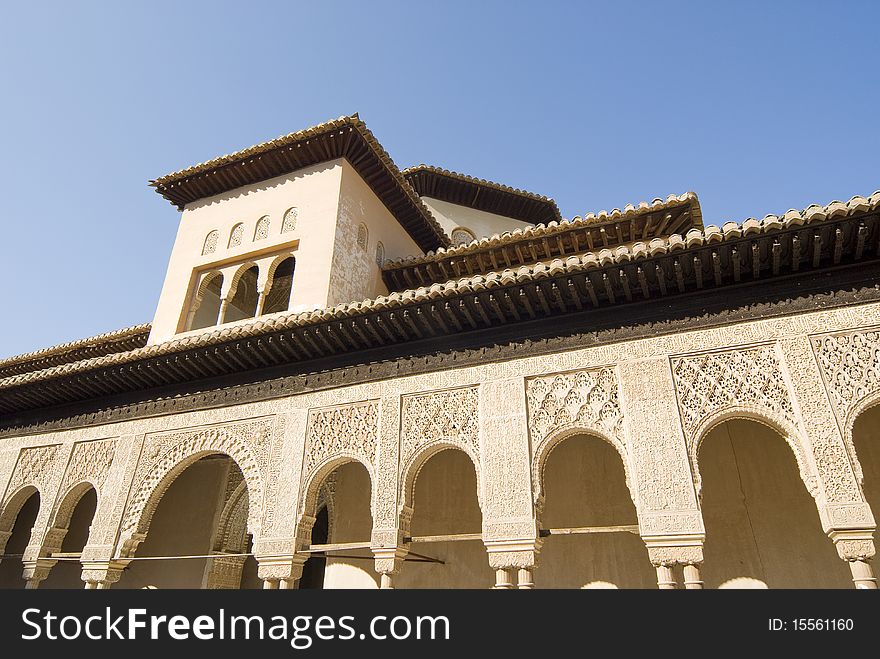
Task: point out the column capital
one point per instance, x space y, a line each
672 550
854 545
507 554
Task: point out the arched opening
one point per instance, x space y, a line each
445 502
761 522
314 568
866 438
584 485
196 516
11 565
344 498
278 297
68 573
244 302
209 307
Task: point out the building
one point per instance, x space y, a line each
363 377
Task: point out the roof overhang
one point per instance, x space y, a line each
703 265
346 137
482 195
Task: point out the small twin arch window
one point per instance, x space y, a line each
462 236
362 236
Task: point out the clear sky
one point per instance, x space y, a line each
757 106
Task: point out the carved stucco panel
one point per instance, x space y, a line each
350 430
666 499
748 382
386 486
850 366
443 416
564 403
832 461
506 465
165 455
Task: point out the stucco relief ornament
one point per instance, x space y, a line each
706 384
450 416
289 222
349 430
850 364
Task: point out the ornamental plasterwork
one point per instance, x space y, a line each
262 230
36 466
709 383
236 235
444 416
349 431
89 463
211 242
165 456
740 381
850 366
561 404
289 222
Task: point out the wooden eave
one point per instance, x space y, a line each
347 137
705 263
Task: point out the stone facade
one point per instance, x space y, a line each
652 399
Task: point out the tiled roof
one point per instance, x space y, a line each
778 244
121 340
346 137
481 194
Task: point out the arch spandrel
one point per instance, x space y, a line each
165 457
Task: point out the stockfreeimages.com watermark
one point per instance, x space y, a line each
300 631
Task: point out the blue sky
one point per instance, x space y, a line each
757 106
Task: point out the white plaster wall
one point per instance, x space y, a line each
482 224
355 274
314 191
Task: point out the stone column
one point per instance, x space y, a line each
666 553
857 549
102 574
279 565
510 528
390 552
261 302
221 315
36 571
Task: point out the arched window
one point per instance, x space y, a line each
380 254
236 234
462 236
362 236
278 297
207 302
262 230
244 302
289 223
210 245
